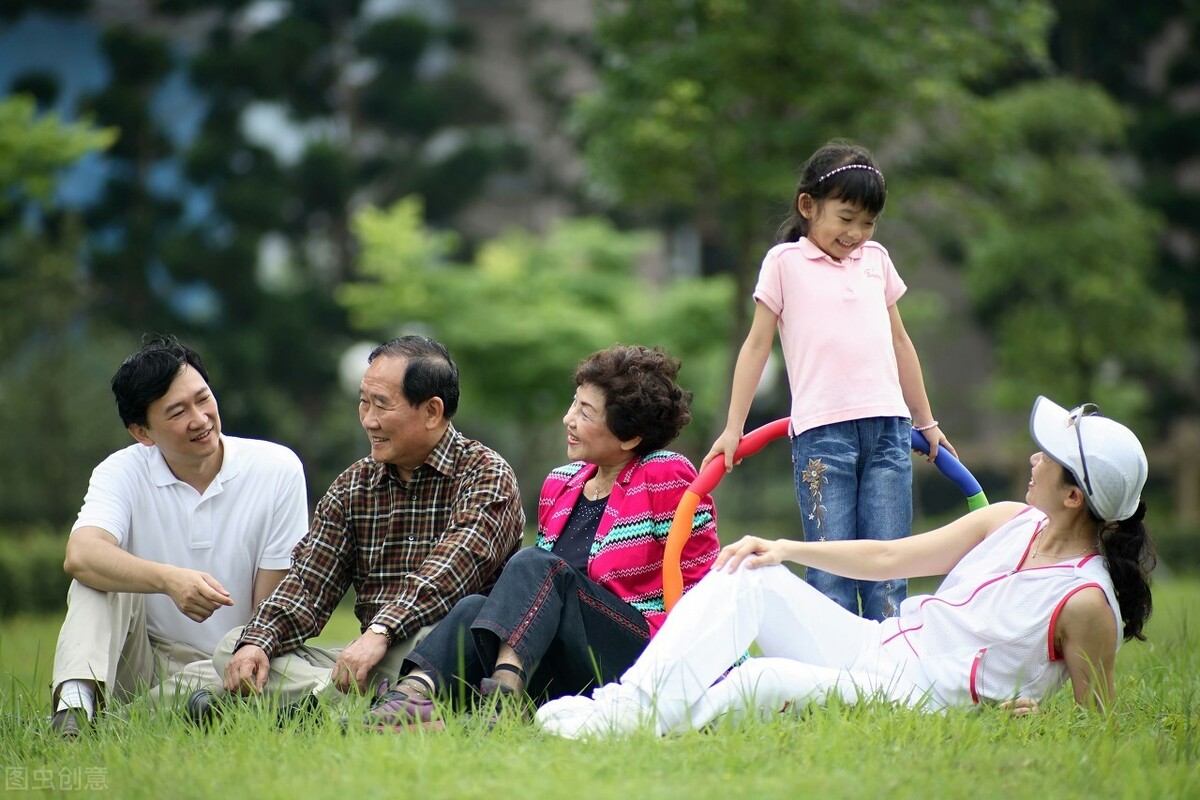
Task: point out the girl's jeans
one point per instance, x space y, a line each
854 481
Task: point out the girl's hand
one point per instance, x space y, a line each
1022 706
726 446
937 439
751 551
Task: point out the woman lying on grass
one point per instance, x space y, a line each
1034 594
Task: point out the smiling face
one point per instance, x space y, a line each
835 226
1046 489
184 423
399 433
588 436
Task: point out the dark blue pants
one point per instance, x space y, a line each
569 632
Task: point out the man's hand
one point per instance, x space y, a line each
752 551
357 660
247 671
196 594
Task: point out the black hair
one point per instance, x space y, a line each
641 397
861 187
146 375
1130 556
430 371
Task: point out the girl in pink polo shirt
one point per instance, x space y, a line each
856 383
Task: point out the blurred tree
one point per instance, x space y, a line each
1146 56
232 230
528 309
312 113
136 215
709 106
55 366
34 149
1058 256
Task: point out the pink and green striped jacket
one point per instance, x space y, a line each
627 555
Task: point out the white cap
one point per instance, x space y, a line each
1116 462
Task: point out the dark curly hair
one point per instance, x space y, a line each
641 397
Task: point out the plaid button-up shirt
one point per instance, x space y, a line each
411 550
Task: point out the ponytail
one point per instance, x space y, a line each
1130 556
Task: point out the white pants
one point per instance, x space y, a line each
104 639
812 649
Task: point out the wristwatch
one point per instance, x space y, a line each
382 630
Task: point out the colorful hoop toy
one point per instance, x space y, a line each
751 443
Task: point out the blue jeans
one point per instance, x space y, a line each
854 481
569 631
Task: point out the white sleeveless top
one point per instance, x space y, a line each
987 634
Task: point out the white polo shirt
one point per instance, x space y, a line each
249 518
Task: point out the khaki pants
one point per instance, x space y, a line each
308 670
104 639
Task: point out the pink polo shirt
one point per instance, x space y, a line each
835 330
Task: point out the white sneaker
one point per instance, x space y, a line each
612 711
564 716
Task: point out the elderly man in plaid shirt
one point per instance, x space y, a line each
428 518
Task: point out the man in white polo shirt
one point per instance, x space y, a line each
181 535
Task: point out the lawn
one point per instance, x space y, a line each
1147 746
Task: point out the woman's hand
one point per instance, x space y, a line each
1022 706
751 551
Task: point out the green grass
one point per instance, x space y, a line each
1147 746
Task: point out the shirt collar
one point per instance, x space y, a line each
814 253
162 475
441 459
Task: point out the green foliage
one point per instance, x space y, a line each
715 103
249 283
528 309
706 109
34 148
32 580
53 375
1058 255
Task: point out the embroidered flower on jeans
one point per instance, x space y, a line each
814 476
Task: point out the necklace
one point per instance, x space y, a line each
598 490
1037 552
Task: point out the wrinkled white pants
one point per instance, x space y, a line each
811 647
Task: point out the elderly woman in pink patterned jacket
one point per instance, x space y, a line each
578 608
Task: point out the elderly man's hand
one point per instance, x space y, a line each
247 671
357 660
